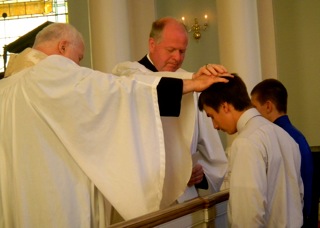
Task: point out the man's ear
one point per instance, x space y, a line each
152 43
225 107
269 106
62 46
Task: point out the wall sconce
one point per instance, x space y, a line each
196 28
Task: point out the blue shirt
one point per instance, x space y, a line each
306 160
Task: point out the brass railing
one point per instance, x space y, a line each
177 211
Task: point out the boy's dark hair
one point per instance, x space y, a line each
273 90
233 92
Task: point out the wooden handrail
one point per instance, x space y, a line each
175 211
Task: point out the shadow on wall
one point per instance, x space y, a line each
315 218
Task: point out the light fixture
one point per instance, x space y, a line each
196 28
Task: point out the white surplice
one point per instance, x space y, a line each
71 138
192 133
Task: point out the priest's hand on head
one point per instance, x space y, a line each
210 69
202 82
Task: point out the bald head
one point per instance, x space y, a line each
166 23
168 43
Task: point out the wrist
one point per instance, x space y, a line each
188 86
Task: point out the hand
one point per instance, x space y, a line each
211 69
202 82
196 176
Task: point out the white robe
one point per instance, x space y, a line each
70 138
191 133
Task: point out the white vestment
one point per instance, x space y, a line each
26 58
266 188
71 138
191 133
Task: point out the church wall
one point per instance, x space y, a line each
297 31
295 39
79 17
289 50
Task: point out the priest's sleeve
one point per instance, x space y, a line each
169 96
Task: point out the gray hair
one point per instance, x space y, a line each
57 32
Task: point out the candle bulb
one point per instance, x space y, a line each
205 22
197 26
